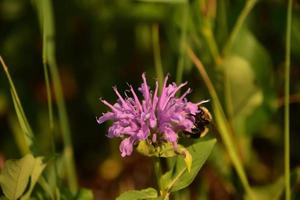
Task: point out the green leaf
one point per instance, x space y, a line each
244 94
149 193
37 170
181 178
15 176
249 48
199 152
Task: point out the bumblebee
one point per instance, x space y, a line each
202 119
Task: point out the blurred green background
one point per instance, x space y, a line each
100 44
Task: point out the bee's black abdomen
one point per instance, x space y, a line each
202 119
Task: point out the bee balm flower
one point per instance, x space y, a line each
155 118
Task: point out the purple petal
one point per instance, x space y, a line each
169 134
136 99
155 98
191 108
124 103
126 147
152 120
113 108
185 94
172 90
105 117
144 89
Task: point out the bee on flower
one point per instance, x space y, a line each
156 118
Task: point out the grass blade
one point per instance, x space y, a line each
18 107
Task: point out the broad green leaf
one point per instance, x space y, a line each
38 168
14 178
149 193
249 48
245 95
181 177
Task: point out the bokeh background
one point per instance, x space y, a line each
105 43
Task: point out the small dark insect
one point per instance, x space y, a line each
202 119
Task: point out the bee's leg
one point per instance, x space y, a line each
204 132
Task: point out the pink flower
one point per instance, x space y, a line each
155 118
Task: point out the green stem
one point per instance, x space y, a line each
157 57
50 107
240 21
157 170
222 124
47 20
286 102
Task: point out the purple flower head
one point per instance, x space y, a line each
156 118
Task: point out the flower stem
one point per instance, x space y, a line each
157 170
157 57
286 102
